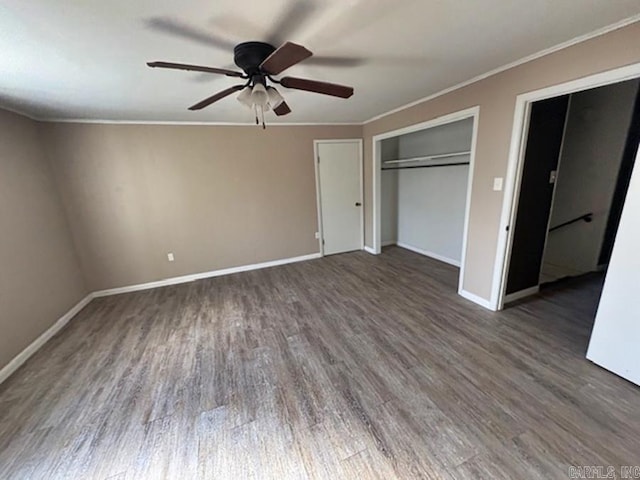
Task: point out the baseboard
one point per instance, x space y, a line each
512 297
34 346
383 244
426 253
478 300
23 356
199 276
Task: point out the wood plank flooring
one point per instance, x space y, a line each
347 367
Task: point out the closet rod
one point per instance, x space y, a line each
429 157
426 166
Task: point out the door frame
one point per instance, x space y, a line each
515 163
316 161
473 112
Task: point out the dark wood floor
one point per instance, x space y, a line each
347 367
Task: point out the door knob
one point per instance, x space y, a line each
358 204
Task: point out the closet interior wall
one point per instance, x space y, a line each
423 201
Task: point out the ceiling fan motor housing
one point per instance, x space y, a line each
249 55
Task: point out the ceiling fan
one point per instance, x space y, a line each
260 62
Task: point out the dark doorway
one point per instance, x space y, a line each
578 159
544 142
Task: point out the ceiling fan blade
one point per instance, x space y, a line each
335 61
194 68
284 57
184 31
214 98
291 20
324 88
282 109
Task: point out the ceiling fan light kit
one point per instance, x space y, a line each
260 62
245 97
259 95
258 99
275 98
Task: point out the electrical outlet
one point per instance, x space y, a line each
170 257
317 235
497 184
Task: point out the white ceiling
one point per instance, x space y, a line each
85 59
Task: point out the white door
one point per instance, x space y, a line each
339 181
616 332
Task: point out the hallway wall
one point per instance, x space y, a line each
595 137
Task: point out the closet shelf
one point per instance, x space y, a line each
429 157
426 166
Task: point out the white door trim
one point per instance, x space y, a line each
473 112
472 160
316 144
516 161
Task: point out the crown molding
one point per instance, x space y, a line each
516 63
19 112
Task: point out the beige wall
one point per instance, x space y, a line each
215 196
496 97
40 277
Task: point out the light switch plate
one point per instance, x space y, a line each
170 257
497 184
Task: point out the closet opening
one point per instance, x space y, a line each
422 187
